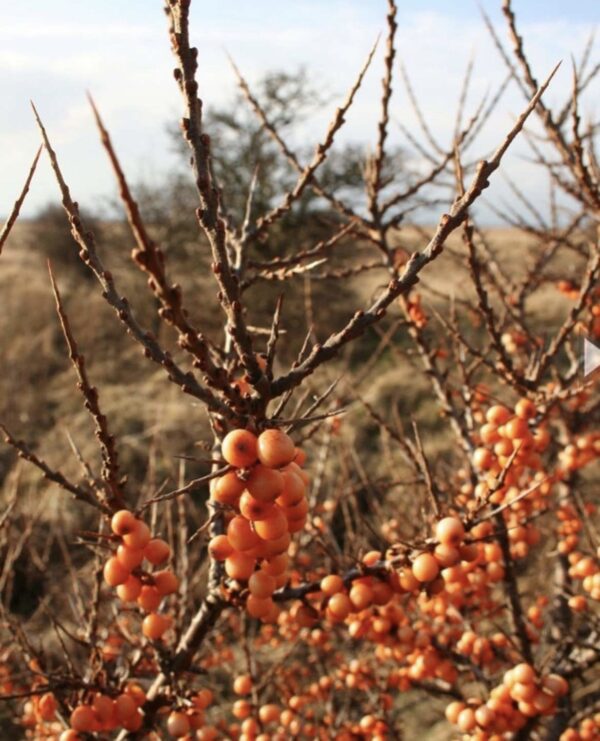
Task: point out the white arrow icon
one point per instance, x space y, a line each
591 357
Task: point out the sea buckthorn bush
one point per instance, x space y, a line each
387 531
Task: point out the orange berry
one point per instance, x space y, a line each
361 596
450 531
265 483
522 692
272 527
489 434
241 709
371 558
275 565
516 428
425 567
258 608
297 512
125 707
300 457
578 603
114 572
276 546
543 702
269 713
275 448
47 706
293 489
130 590
178 724
228 488
466 720
339 605
83 719
239 448
525 409
155 625
523 673
254 509
138 694
242 685
261 584
484 716
150 598
408 581
157 551
498 415
166 582
123 522
482 458
130 558
139 537
504 447
241 535
239 566
331 584
556 684
134 723
453 711
446 555
219 547
203 699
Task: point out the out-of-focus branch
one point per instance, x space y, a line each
110 468
14 214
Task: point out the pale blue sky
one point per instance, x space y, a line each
52 51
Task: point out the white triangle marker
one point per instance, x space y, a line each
591 357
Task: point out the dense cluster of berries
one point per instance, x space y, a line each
130 569
507 432
424 568
191 719
587 570
587 730
583 450
522 695
123 570
264 498
101 713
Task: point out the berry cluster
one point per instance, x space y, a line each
521 695
584 449
124 571
507 432
103 713
587 570
264 496
424 568
587 730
